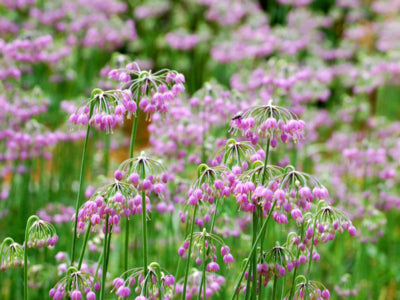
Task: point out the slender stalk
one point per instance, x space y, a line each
254 258
291 294
261 213
104 270
189 253
264 176
203 275
310 259
144 234
274 288
98 266
84 245
131 150
248 284
81 180
26 266
28 225
107 140
214 216
253 249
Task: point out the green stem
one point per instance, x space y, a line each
253 249
291 295
104 270
274 288
189 253
261 214
254 258
203 276
131 150
28 224
144 233
107 140
248 284
264 176
81 180
84 245
214 216
310 259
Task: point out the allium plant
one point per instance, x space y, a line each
153 91
38 233
147 175
11 254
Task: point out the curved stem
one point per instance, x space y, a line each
189 253
144 233
253 249
84 245
81 180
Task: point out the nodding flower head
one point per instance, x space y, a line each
235 153
141 167
268 121
105 110
154 90
315 289
275 262
40 233
208 186
113 200
73 285
146 174
11 254
210 241
326 222
150 284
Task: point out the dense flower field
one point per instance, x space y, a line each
199 149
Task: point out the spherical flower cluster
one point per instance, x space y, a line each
54 213
181 40
33 50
